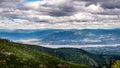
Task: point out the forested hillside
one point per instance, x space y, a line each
74 55
13 55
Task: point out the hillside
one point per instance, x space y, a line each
74 55
13 55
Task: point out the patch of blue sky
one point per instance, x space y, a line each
32 0
16 20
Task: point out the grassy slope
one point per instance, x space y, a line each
14 55
73 55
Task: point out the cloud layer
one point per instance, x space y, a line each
60 14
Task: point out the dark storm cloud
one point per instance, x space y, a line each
108 4
10 1
69 7
62 11
111 12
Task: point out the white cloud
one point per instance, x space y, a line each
84 16
34 41
87 40
38 43
33 5
58 14
29 41
94 8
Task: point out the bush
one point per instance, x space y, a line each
116 64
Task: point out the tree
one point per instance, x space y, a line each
116 64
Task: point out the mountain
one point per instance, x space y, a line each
64 36
108 50
14 55
75 55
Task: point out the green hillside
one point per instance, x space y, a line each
74 55
13 55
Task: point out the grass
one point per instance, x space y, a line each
13 55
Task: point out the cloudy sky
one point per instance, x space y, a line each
59 14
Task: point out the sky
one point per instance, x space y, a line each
59 14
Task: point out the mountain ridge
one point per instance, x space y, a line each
65 37
14 55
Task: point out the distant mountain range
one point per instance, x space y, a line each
64 37
109 50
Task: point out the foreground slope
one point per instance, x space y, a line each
74 55
13 55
